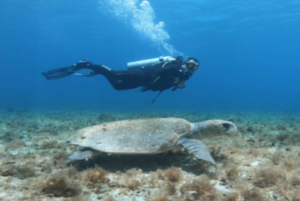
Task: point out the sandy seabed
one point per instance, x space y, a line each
260 163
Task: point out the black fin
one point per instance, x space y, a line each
59 72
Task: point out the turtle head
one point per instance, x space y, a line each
227 127
214 128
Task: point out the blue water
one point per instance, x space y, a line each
249 52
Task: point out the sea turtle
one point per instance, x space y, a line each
148 136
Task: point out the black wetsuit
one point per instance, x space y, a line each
159 77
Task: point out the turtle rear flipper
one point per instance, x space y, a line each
197 148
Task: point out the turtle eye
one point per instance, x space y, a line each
227 126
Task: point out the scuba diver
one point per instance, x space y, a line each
156 74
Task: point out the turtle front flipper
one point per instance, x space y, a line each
197 148
84 154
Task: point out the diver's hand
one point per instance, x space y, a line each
177 87
174 88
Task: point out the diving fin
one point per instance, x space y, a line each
60 72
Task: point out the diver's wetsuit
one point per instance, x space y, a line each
158 77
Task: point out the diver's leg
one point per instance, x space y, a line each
122 80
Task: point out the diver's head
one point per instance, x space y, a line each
192 63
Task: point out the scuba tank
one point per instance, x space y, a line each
149 62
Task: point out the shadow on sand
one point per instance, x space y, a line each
146 163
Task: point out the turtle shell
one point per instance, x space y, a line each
142 136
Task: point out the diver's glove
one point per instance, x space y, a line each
180 85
